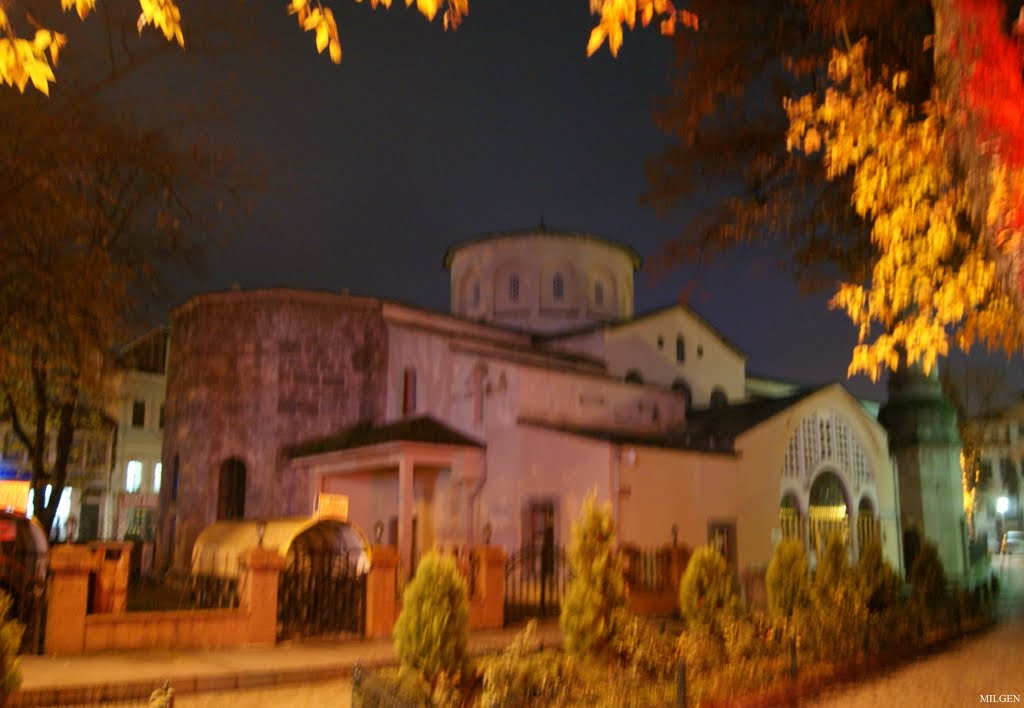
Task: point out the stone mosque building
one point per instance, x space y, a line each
495 420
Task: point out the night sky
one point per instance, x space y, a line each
422 138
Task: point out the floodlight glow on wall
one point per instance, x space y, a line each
1002 505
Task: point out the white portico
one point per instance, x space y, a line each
412 482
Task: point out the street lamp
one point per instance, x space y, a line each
1002 505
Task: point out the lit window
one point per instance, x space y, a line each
138 414
513 288
558 286
133 480
599 293
158 469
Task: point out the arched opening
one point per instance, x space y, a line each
634 376
680 349
718 397
231 490
789 517
867 524
828 511
681 388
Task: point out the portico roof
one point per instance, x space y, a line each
422 429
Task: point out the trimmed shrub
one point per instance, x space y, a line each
597 588
10 642
433 629
706 589
788 582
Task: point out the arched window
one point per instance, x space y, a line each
558 287
231 490
599 293
408 390
661 342
513 288
680 349
718 397
634 376
476 294
867 528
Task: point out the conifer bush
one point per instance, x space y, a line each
833 569
432 631
788 582
597 588
706 590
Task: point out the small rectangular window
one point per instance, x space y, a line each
408 391
163 410
138 414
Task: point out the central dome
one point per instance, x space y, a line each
541 280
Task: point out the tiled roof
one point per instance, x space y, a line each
672 439
423 429
732 420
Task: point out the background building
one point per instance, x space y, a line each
496 420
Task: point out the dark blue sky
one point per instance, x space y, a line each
421 138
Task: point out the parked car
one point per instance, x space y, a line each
1013 542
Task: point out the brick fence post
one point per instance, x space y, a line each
67 596
491 584
259 570
381 589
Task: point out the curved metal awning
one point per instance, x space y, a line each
218 547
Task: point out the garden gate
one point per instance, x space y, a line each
536 578
321 592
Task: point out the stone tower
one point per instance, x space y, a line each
925 444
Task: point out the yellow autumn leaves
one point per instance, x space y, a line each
616 14
26 61
30 61
933 280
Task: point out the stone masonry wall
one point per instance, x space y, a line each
250 373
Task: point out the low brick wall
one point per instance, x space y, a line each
72 629
176 629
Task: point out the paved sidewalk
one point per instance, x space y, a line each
130 676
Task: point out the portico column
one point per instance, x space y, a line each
405 491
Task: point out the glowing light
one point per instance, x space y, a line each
1002 505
